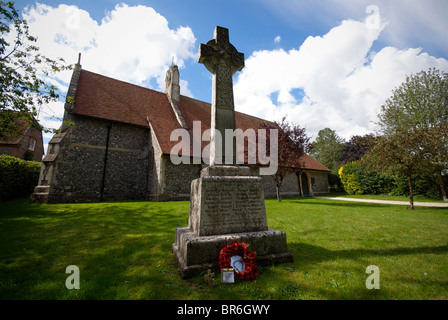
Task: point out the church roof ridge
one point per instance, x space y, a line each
122 81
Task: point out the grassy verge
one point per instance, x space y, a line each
123 251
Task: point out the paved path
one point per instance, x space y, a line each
422 204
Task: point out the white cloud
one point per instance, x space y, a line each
410 21
343 82
184 90
133 44
50 116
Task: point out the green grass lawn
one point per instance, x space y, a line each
123 251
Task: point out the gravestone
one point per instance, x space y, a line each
226 201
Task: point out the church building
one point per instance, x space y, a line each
114 144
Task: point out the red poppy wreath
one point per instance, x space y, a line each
240 258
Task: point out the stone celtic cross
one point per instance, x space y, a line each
222 59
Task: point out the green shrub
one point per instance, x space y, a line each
348 174
422 185
28 156
358 179
375 183
17 177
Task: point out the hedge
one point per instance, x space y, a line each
17 177
358 179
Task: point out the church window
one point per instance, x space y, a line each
32 145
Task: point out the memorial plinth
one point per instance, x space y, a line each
227 199
227 205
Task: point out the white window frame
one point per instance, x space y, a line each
32 145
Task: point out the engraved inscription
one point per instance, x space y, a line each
232 207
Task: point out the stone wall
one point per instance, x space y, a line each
176 182
289 187
81 174
178 178
319 182
155 166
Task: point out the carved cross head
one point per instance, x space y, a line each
220 48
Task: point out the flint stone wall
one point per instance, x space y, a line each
319 182
177 178
80 163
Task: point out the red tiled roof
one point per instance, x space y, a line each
20 126
310 163
107 98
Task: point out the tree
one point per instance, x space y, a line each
435 143
399 153
292 143
421 103
22 71
356 147
327 148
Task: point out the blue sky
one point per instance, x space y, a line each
323 63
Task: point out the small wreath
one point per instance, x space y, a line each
240 258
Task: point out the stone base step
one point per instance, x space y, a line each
42 189
196 254
39 197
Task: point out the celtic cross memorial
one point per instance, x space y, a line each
227 200
221 58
